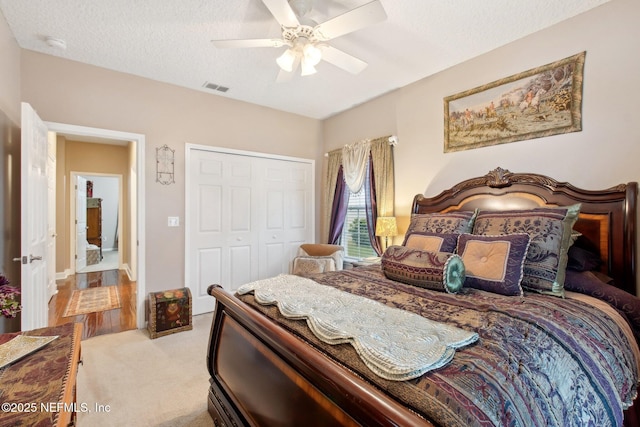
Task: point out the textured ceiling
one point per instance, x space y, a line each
170 41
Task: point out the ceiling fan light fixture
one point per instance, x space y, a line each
312 54
306 40
306 68
286 60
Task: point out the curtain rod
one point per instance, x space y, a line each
393 140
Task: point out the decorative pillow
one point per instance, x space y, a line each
303 266
550 232
583 255
446 222
438 271
588 283
494 263
579 259
433 242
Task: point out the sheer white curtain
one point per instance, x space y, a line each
354 162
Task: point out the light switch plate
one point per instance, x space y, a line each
174 221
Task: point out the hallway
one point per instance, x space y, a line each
100 323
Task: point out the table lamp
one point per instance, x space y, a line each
386 227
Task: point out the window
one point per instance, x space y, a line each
355 237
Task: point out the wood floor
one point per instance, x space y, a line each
100 323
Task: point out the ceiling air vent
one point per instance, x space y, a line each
214 86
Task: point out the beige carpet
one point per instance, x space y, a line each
92 300
160 382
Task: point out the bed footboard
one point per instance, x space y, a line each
263 375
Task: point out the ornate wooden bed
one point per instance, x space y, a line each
264 373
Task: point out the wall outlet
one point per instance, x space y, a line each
174 221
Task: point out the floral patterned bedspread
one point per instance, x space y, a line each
540 359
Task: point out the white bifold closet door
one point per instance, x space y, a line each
246 216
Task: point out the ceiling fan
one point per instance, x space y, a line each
306 40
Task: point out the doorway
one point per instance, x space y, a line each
100 232
134 193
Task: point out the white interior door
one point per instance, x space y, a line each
51 221
221 226
81 223
34 216
286 199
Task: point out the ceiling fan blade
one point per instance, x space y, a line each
360 17
248 43
343 60
283 13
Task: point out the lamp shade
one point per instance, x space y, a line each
286 60
386 226
306 69
312 54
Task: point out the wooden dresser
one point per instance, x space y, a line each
40 388
94 222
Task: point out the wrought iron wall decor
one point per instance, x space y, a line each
164 165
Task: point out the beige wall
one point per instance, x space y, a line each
605 153
9 73
83 157
72 93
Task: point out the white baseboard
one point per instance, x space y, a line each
126 268
64 275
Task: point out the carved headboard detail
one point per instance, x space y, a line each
607 217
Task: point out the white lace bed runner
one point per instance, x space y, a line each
395 344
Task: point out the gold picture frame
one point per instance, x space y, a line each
540 102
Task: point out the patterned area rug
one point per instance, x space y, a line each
91 300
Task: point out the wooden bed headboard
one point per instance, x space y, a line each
607 217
